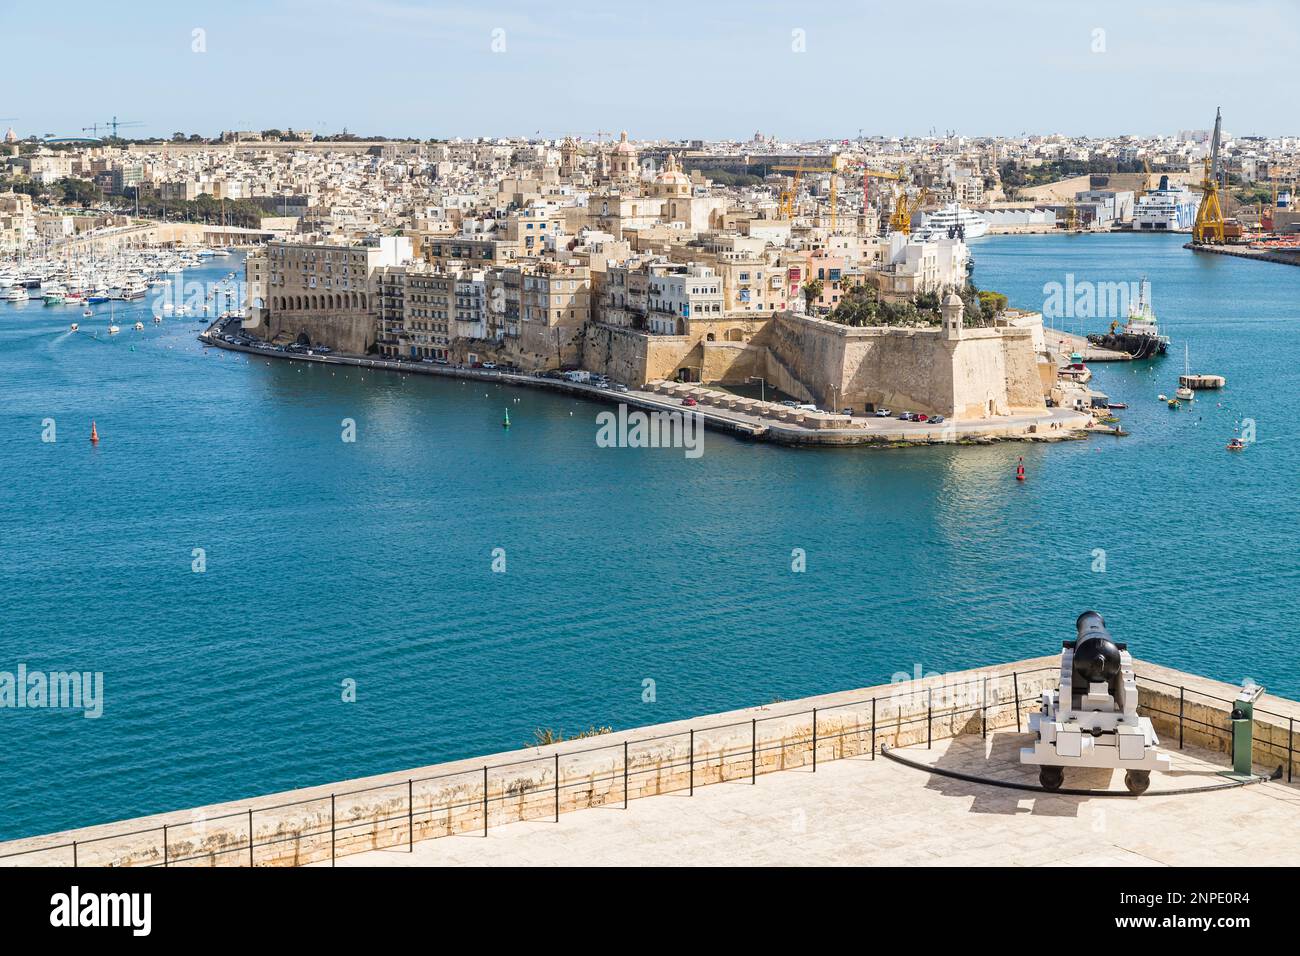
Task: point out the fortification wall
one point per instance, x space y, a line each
350 332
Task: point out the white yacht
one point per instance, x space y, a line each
952 222
1166 209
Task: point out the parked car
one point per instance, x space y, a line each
905 417
846 411
489 365
790 404
883 413
936 419
323 350
620 388
922 418
688 402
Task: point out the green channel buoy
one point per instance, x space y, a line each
506 423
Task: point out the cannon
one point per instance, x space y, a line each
1092 719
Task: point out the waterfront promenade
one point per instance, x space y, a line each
1054 424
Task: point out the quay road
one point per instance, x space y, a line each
1051 425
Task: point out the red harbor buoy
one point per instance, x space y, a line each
1020 470
94 435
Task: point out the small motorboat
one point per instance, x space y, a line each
87 314
1183 393
74 327
1175 403
113 330
1236 444
139 326
157 320
1117 405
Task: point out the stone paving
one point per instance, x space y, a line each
861 812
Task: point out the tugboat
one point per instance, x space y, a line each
1140 337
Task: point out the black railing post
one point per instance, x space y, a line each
410 816
250 836
929 717
814 740
1180 718
753 750
485 806
165 863
873 728
333 838
1015 684
984 709
692 762
557 788
625 775
1290 752
74 854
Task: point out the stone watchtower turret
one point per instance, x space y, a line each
953 309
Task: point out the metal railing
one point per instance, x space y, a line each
883 719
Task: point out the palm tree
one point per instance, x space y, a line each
812 291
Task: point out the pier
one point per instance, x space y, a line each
1247 252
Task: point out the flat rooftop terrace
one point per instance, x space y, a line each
858 811
791 782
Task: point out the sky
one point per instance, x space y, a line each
668 69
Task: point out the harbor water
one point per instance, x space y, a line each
231 564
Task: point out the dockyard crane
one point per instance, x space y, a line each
906 209
789 196
869 174
1209 224
905 206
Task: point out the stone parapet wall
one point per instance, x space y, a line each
394 810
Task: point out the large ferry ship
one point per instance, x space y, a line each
1166 209
952 222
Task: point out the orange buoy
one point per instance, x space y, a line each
94 435
1020 470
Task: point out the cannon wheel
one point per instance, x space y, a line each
1137 781
1051 778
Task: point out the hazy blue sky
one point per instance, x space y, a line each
667 68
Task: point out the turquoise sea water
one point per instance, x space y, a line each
372 561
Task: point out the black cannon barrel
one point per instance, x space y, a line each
1096 655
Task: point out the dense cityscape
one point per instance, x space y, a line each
881 488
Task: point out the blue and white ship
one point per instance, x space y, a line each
1166 209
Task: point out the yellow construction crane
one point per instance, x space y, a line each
790 195
1209 225
1071 216
905 206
